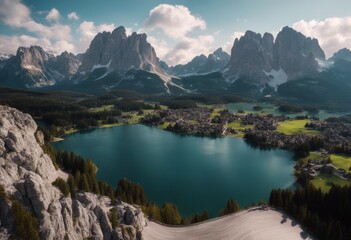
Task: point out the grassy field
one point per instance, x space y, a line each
70 131
238 126
102 108
110 125
215 112
341 161
135 117
325 181
312 156
238 135
164 125
291 127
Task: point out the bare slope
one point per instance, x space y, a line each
250 224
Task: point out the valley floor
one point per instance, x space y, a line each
249 224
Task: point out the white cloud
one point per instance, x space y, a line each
332 33
88 31
61 46
53 15
15 14
129 31
174 20
73 16
160 46
188 48
10 44
229 45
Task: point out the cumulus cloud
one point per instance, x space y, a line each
160 45
17 15
73 16
13 13
88 31
332 33
53 15
174 20
9 44
229 45
186 49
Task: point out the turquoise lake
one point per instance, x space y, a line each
195 173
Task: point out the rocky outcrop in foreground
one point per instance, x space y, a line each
27 173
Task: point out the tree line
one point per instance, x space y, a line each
25 224
82 176
326 215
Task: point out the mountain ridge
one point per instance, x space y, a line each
200 64
259 65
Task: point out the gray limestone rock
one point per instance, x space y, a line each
118 52
27 175
260 60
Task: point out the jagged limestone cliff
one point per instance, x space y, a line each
27 173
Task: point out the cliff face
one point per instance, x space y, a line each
34 68
251 57
27 173
118 52
262 61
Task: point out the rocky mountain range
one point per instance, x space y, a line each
3 59
258 66
200 64
26 176
342 54
33 67
118 52
261 61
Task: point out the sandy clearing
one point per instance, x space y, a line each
252 224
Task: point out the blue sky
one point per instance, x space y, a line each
178 29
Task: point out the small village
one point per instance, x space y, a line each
314 168
261 130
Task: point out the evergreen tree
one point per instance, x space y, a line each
72 185
153 211
77 179
62 185
26 226
170 214
85 184
113 216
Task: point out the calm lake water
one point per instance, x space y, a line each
195 173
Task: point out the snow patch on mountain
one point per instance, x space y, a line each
324 64
276 78
96 66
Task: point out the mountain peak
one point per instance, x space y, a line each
218 51
119 32
200 64
252 35
287 28
344 54
118 52
257 60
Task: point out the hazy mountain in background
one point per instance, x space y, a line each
33 67
200 64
